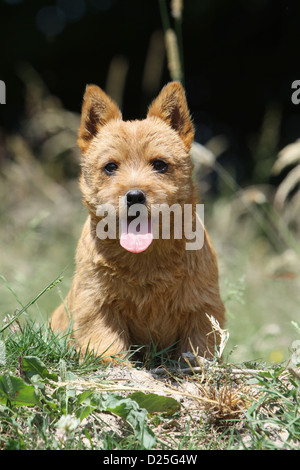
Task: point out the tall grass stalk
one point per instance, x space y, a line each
267 219
173 39
31 302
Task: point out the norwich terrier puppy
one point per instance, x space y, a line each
133 287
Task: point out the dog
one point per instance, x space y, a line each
135 289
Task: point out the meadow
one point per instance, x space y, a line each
51 398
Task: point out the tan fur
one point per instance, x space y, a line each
117 298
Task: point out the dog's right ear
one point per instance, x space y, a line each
97 110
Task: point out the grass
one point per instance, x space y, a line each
52 398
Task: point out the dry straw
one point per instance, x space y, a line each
176 9
173 55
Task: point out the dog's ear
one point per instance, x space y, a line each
97 110
171 107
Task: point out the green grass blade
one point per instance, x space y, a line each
18 314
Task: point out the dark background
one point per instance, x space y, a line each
240 57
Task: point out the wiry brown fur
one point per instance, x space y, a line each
118 298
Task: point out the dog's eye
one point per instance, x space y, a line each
110 168
160 166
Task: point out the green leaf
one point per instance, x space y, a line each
84 411
16 444
70 376
125 408
15 392
135 416
34 366
89 398
65 397
90 401
89 438
156 403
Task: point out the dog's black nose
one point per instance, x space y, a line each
135 196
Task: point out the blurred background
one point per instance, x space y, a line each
238 61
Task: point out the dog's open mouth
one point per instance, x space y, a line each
136 234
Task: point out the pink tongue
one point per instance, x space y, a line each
134 241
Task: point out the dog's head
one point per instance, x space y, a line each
145 162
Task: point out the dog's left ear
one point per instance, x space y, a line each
171 107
